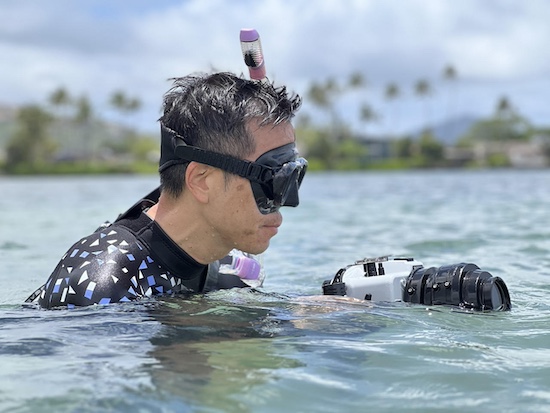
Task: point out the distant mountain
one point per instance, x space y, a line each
449 131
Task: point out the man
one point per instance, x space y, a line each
228 163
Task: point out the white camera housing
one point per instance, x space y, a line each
404 279
377 279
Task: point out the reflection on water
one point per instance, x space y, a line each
233 357
210 354
288 348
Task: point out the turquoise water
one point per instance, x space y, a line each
289 349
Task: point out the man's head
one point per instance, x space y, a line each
215 113
228 162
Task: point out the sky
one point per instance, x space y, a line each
498 48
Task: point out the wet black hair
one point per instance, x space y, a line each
212 112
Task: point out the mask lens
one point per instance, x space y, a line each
282 189
263 196
287 173
288 180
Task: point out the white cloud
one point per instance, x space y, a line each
94 47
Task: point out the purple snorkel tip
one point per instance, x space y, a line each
249 35
252 53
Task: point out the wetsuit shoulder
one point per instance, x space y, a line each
110 265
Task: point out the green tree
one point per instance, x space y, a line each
494 130
83 117
431 150
323 95
83 110
449 73
30 147
118 100
356 81
423 90
391 94
320 148
488 135
60 100
450 76
350 154
124 104
506 125
318 95
333 147
133 105
404 148
504 109
367 114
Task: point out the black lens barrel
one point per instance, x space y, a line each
464 285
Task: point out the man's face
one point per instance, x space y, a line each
234 213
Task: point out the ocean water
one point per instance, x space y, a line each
288 348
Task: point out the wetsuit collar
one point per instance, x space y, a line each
164 249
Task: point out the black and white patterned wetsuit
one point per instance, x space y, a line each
124 261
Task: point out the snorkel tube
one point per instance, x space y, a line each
253 55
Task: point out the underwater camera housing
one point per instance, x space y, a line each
404 279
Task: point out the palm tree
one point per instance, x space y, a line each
60 99
391 93
450 76
318 96
118 100
83 110
513 125
124 104
133 105
323 95
30 145
367 113
423 90
504 109
83 117
356 80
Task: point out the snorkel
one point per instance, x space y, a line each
283 191
253 55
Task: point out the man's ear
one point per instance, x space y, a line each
197 182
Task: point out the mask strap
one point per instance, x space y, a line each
240 167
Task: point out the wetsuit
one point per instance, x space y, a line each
128 259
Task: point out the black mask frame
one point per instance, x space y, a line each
275 176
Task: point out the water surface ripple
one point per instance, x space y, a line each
287 348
